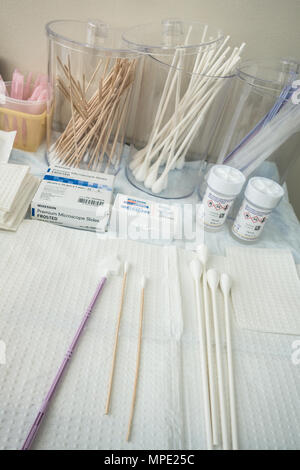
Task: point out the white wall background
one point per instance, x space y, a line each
269 27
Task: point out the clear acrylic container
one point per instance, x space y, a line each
172 49
258 87
92 75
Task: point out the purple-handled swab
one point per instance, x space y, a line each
42 411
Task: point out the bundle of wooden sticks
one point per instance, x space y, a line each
96 130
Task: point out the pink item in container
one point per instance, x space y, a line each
27 86
23 107
3 90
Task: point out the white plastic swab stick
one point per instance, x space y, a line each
180 130
213 282
116 339
202 81
139 155
138 358
183 124
176 79
168 130
167 83
162 111
158 185
196 270
202 252
192 111
198 57
221 48
177 114
225 284
167 92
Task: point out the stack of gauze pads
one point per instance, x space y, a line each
17 188
266 291
6 145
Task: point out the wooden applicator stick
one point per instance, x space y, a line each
116 339
138 360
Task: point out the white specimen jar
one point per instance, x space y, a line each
262 195
224 183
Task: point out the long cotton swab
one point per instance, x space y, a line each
213 282
138 359
225 284
196 270
116 339
202 252
42 411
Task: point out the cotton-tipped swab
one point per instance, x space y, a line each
42 411
116 339
225 284
202 252
196 270
138 359
213 282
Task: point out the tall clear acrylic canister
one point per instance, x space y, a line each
184 88
92 76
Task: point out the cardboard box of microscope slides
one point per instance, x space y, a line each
74 198
138 218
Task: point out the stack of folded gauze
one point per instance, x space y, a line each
6 145
17 188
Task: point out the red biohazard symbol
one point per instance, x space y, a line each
254 218
217 206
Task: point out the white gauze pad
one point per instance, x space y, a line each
11 178
11 220
266 290
6 144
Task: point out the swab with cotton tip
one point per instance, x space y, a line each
109 266
225 284
213 279
203 254
116 338
196 271
138 358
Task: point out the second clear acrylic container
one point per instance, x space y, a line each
259 87
173 49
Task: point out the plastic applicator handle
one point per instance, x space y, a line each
41 414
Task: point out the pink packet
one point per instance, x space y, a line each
37 81
3 90
27 86
36 92
19 86
43 96
13 89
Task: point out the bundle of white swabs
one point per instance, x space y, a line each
209 327
169 141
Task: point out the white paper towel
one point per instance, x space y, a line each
47 277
